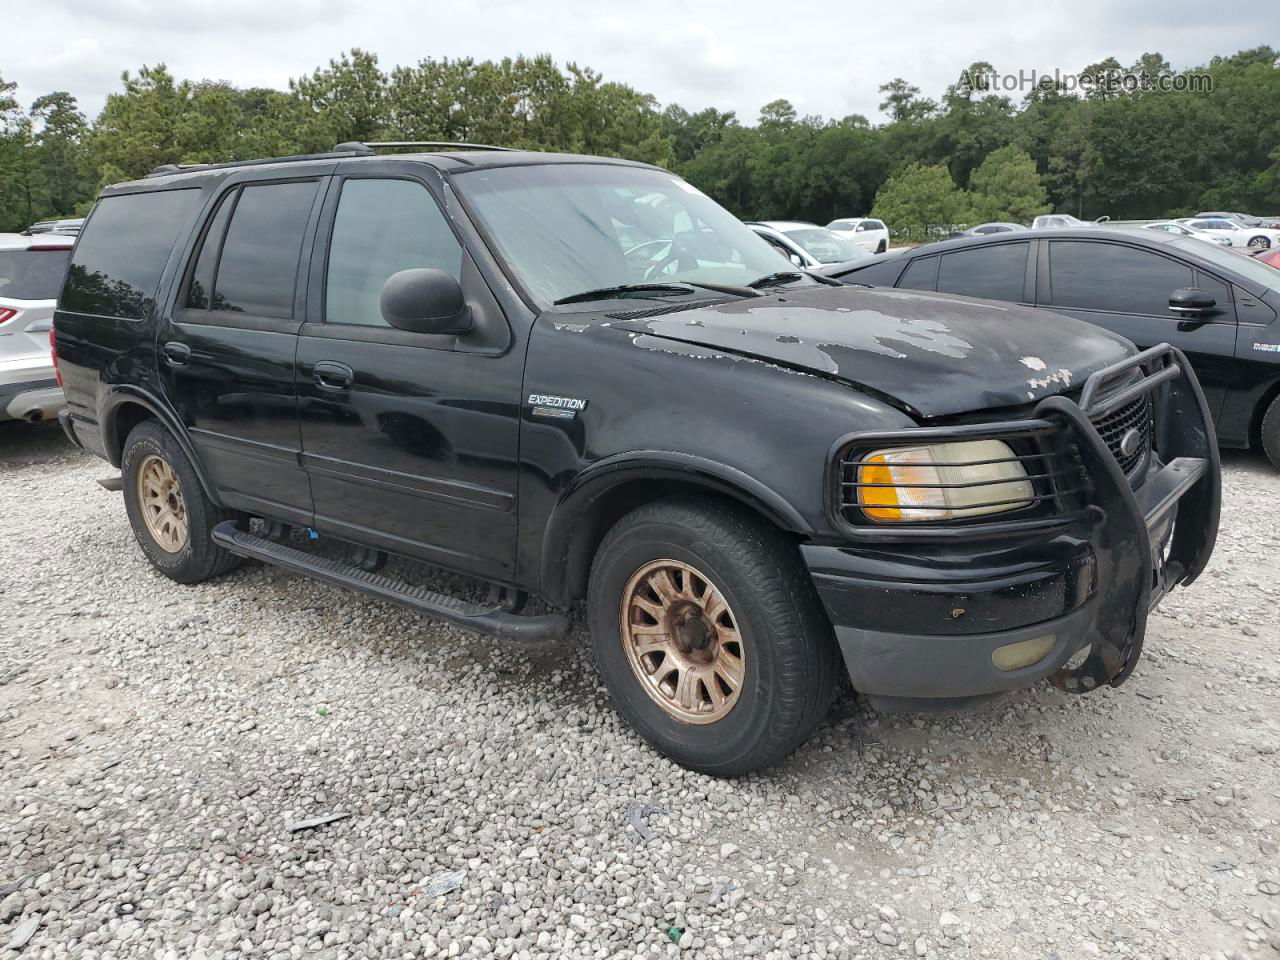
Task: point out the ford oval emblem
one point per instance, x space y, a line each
1131 442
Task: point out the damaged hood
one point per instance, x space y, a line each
933 353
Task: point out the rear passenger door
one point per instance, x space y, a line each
995 271
226 351
410 440
1126 289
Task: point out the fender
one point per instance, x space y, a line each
585 490
126 393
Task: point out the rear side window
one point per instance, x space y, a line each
1115 278
32 274
258 269
922 274
382 227
122 251
200 293
990 273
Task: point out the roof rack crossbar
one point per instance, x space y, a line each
456 144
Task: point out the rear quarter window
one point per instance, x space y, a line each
122 251
32 274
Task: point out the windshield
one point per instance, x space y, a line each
32 274
1248 268
825 246
569 227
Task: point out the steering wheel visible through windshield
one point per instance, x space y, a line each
564 228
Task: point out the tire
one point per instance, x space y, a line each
1271 433
884 245
151 448
787 656
1259 243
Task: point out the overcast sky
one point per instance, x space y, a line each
825 57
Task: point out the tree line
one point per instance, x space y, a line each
974 153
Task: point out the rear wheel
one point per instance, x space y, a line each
1259 243
171 516
709 635
1271 432
884 245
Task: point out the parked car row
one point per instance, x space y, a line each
1218 307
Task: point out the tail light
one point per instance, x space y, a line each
53 349
7 314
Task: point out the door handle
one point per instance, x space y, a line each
176 354
333 376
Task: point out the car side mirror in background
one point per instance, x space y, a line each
425 301
795 258
1191 302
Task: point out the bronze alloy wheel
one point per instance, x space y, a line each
682 641
163 509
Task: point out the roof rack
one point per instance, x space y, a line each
351 148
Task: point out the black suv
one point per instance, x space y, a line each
1222 309
582 379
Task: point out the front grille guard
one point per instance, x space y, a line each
1080 485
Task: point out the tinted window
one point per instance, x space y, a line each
202 276
259 266
1220 292
921 275
1107 276
122 252
381 228
874 225
992 273
32 274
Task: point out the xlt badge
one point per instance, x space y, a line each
556 408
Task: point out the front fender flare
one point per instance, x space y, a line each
581 497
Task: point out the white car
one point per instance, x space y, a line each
1255 238
1170 226
31 270
871 235
1054 221
808 245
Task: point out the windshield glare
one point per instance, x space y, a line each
825 246
1245 266
571 227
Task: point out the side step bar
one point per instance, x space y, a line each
480 618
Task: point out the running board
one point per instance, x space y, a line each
480 618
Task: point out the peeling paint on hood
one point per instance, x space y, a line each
933 353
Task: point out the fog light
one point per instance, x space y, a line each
1015 656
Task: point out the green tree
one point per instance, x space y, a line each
1006 186
59 152
921 203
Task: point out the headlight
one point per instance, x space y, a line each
942 481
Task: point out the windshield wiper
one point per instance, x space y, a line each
602 293
776 279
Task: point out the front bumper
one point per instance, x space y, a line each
920 609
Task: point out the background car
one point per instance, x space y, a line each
869 234
1256 238
986 229
1269 257
1220 308
1244 219
808 245
1054 221
69 227
1181 230
31 272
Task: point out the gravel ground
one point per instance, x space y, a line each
160 746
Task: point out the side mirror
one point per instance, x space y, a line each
796 259
1191 302
425 301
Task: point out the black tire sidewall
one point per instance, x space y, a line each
1271 433
199 557
722 746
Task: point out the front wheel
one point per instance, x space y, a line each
171 516
709 635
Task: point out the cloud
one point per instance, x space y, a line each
828 57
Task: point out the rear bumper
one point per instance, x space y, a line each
919 613
39 399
